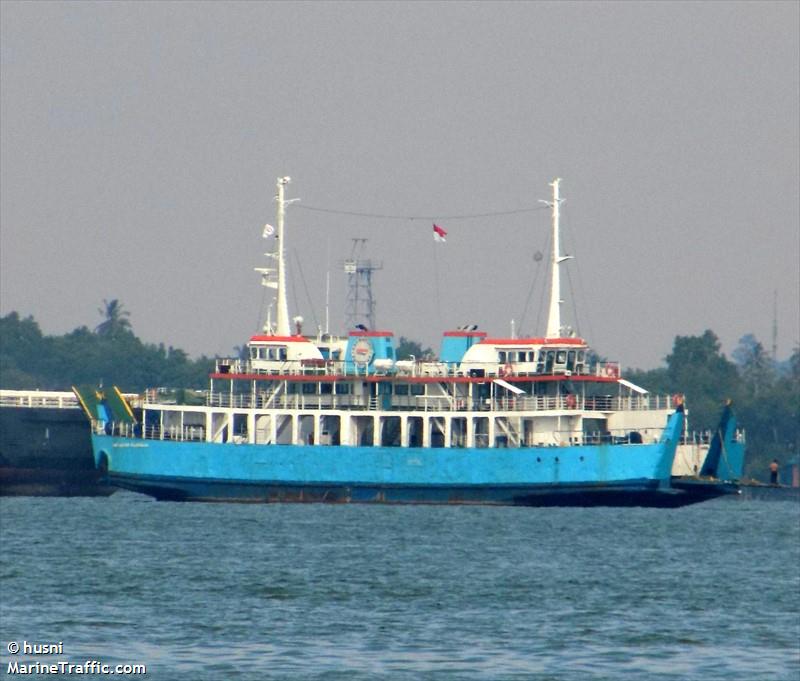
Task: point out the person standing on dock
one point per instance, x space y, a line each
773 472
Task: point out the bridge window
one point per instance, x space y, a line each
501 356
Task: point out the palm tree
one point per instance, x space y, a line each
115 318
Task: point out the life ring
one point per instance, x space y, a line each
506 369
571 401
612 371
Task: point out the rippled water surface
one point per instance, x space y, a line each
203 591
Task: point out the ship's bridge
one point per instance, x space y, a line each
526 357
275 354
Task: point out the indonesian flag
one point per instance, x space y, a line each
438 233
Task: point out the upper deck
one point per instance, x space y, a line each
464 354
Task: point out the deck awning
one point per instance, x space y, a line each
632 386
508 386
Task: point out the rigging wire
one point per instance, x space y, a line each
581 292
293 289
574 307
261 312
543 291
305 287
383 216
436 277
535 279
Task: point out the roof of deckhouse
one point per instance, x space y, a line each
279 339
533 341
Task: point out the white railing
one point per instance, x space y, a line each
615 436
704 437
136 430
511 437
444 403
38 398
403 368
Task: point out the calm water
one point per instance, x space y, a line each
203 591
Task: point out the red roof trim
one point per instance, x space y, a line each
533 341
280 339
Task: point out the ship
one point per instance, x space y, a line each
529 421
45 446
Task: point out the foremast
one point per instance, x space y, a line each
274 277
554 329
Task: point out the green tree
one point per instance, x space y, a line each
21 347
772 420
755 366
115 318
406 348
29 360
698 369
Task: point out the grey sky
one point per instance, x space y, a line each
141 142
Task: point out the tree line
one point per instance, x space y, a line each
765 394
109 354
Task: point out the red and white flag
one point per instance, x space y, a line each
438 233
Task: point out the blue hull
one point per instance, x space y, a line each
628 493
607 474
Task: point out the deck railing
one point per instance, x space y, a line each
503 439
156 432
441 403
406 369
38 398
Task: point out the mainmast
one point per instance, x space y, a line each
275 277
554 316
